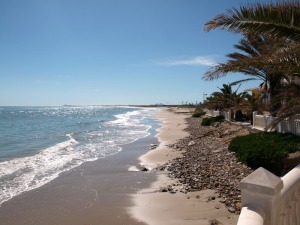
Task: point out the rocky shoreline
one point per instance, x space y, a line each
206 162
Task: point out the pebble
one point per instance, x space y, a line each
163 190
206 162
231 209
215 222
143 168
191 143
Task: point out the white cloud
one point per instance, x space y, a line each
192 61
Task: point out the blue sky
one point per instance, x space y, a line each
55 52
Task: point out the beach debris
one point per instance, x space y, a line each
215 222
153 146
143 168
169 189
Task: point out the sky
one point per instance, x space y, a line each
108 52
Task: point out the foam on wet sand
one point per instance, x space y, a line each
155 207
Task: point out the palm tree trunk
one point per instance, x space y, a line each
274 105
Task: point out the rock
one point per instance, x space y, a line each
175 146
163 190
191 143
227 132
216 124
143 168
231 209
238 206
207 163
217 151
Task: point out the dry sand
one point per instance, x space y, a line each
162 208
95 193
103 191
172 129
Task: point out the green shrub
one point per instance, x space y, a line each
219 118
264 149
206 122
199 114
211 120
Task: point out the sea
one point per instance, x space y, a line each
37 144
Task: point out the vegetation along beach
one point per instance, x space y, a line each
130 112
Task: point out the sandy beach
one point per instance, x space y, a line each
155 207
114 190
94 193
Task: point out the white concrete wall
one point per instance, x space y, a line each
227 115
270 200
212 112
288 125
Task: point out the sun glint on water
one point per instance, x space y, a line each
39 143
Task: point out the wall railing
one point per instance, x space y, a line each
285 126
212 112
270 200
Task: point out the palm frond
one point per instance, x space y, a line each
246 66
290 96
242 81
280 19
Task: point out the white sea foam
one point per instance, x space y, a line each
27 173
134 128
126 119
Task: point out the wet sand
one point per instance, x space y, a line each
94 193
105 191
164 208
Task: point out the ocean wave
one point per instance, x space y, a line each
87 144
127 119
27 173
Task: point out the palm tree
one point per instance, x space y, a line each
214 101
227 99
253 102
254 48
290 96
224 98
280 20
